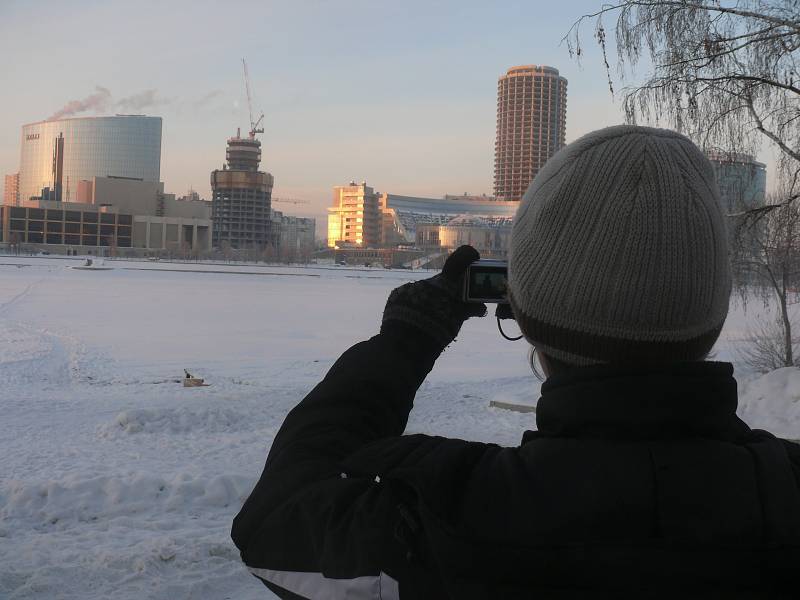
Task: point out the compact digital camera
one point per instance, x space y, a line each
486 281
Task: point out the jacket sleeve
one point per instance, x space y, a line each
304 514
793 450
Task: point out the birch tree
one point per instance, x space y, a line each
725 73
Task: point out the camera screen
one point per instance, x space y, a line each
487 283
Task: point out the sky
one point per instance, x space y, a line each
400 94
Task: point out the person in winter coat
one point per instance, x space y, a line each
640 480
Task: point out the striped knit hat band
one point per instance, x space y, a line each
619 251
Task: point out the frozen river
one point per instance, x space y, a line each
115 481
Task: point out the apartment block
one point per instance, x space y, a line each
531 126
354 218
11 190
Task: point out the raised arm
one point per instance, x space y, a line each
366 396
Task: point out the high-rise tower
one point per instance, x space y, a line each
531 126
241 198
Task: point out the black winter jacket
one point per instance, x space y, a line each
637 484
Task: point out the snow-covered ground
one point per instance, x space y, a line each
115 481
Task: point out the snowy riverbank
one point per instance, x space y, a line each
115 481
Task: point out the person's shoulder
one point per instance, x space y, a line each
793 450
791 446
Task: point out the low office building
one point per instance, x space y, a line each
175 235
149 221
490 236
142 198
63 226
295 236
386 257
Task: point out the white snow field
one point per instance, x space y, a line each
117 482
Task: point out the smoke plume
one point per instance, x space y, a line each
204 100
141 101
101 101
98 102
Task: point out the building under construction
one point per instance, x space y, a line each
241 198
241 195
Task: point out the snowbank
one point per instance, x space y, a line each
62 503
772 402
172 420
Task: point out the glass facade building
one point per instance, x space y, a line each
742 180
56 155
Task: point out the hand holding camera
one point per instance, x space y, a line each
486 281
437 306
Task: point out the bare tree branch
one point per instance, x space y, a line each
680 4
760 126
725 75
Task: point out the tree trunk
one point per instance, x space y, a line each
787 327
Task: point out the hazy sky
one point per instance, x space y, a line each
402 94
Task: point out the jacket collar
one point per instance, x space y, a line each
696 399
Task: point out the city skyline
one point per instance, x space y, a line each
404 96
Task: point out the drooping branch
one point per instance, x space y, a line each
725 75
760 127
683 5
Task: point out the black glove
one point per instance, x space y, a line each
435 305
503 311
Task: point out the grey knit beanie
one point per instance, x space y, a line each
619 251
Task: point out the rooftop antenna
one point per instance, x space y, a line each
254 129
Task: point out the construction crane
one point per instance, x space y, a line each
254 129
290 200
